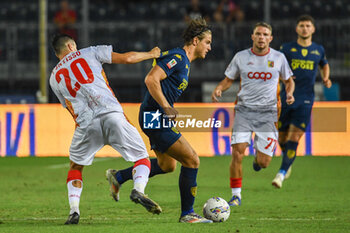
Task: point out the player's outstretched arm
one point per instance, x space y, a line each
134 57
221 87
325 71
289 85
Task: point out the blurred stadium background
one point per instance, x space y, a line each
33 196
142 24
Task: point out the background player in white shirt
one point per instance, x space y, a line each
80 84
259 69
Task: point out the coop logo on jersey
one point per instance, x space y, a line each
171 63
260 75
151 120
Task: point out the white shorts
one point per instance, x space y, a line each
108 129
266 133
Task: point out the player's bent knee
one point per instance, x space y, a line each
168 167
263 164
264 161
237 156
191 161
167 164
74 166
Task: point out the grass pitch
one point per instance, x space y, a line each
33 197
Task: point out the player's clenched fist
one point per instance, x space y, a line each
327 83
155 52
290 99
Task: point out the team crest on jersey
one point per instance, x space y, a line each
293 50
315 52
171 63
304 52
270 64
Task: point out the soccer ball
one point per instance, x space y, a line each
216 209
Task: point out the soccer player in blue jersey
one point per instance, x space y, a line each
304 57
166 81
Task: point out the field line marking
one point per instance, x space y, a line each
162 218
82 218
296 219
64 165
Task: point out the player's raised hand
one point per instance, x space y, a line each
216 93
327 83
155 52
290 99
171 113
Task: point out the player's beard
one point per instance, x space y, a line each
260 47
305 37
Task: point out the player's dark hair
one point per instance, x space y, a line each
263 24
59 42
196 28
303 18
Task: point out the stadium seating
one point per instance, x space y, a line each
141 24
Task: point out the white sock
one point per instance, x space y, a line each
236 192
282 175
74 196
140 177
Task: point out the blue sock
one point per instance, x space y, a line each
155 169
126 174
283 147
188 189
289 155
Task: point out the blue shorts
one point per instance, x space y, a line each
160 139
297 114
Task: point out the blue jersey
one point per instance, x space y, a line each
304 62
177 68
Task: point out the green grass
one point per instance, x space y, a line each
33 198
